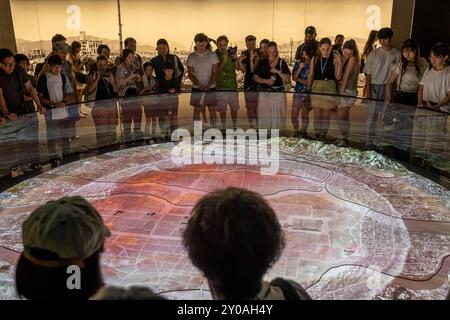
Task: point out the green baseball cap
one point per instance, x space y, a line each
69 227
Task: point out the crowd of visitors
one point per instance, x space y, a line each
321 71
233 236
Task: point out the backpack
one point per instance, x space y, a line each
39 68
45 91
177 69
289 291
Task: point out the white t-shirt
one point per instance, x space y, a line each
436 84
55 87
56 94
411 78
202 64
379 64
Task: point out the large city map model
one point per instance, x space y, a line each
358 226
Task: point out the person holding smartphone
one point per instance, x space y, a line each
271 74
104 112
248 61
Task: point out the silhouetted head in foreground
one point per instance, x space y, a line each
63 241
233 237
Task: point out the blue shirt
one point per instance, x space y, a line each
303 75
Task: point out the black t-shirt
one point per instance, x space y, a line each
166 85
263 71
158 64
104 90
13 88
248 79
324 68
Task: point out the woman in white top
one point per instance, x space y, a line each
407 74
434 91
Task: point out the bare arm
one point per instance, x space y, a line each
311 73
77 65
420 97
44 101
122 81
5 111
284 76
269 82
214 73
92 82
389 86
70 98
130 79
350 66
113 82
192 76
444 101
297 72
33 94
242 64
367 85
254 60
337 66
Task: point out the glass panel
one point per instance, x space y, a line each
407 134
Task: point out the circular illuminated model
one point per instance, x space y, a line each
358 226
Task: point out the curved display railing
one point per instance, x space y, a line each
413 136
358 222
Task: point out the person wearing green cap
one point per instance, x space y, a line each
59 239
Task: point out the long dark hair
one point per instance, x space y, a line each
368 48
125 53
308 48
410 44
351 44
201 37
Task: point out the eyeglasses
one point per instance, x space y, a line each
9 65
